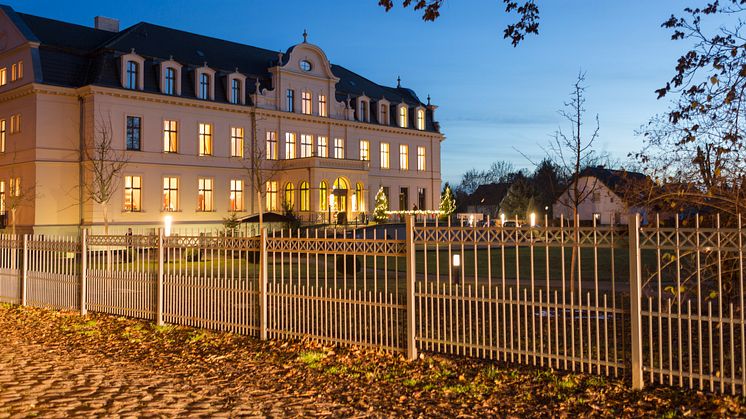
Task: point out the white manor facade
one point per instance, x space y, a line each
198 121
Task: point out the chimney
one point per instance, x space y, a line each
106 23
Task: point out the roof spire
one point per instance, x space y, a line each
256 85
305 36
428 100
398 81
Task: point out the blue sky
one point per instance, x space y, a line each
492 98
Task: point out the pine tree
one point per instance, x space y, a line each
382 205
447 203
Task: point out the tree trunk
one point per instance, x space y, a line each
13 223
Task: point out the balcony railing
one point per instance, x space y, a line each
325 163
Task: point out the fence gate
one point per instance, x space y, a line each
10 268
51 271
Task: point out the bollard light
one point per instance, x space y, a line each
456 261
502 219
532 217
167 221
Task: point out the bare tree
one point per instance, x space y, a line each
105 164
574 151
261 165
19 195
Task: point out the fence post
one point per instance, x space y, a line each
159 291
411 342
263 284
83 272
24 274
635 295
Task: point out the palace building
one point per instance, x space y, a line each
196 123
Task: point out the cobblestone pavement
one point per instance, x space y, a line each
38 381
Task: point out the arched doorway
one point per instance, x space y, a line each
339 195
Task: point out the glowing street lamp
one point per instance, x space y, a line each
532 219
502 219
456 265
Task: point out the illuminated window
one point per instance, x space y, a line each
322 105
16 72
340 204
384 114
15 123
359 198
15 187
13 71
130 81
170 86
305 103
170 136
133 133
272 195
2 197
403 157
305 197
132 193
289 145
204 194
170 193
421 159
235 91
364 150
306 145
236 142
20 69
290 100
339 148
322 146
403 116
289 201
3 135
385 156
205 139
3 76
236 195
323 190
204 86
420 119
271 145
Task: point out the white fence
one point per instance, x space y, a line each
657 303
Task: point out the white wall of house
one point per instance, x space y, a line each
601 202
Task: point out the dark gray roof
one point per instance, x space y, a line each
74 56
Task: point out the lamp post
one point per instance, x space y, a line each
456 264
532 219
502 219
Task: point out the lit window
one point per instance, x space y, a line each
130 81
170 193
384 114
272 195
364 150
20 69
16 72
133 133
420 119
359 198
15 187
306 145
2 197
204 194
403 157
170 86
305 197
363 111
421 159
290 98
403 116
289 145
205 139
204 86
305 103
3 135
3 76
235 91
322 196
170 137
322 105
289 202
13 72
271 145
236 142
339 148
384 155
323 147
236 196
133 193
15 123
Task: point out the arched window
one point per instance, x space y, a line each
131 79
289 196
323 190
360 203
340 184
305 197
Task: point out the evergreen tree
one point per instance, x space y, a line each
447 202
519 200
382 205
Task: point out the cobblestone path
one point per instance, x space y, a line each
37 381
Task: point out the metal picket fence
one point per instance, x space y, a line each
655 303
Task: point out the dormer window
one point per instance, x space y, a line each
204 86
130 81
235 91
132 71
420 119
363 107
169 85
383 112
235 83
403 116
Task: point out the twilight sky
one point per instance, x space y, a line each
492 98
